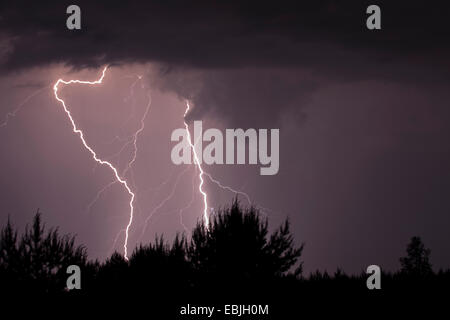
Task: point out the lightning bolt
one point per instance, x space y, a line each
262 209
210 177
164 201
13 113
157 188
218 183
92 152
136 135
132 139
120 177
180 213
201 173
98 195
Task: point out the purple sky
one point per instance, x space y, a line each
364 124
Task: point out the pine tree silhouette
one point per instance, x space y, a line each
38 261
416 263
237 249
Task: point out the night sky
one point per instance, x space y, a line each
364 119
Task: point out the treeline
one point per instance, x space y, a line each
235 251
237 254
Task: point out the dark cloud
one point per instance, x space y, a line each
244 97
213 34
240 47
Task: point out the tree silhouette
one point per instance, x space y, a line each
112 274
39 259
237 248
10 265
161 266
416 263
235 256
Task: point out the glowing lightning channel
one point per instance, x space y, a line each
200 175
94 155
98 195
137 133
211 178
263 210
220 185
180 213
132 139
163 202
13 113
